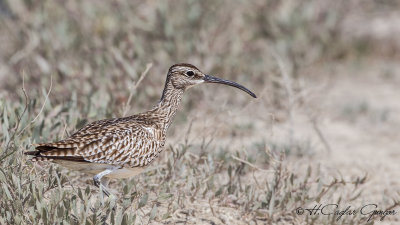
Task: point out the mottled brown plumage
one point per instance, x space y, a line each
123 147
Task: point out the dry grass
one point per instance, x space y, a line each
323 130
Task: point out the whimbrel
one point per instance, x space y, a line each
123 147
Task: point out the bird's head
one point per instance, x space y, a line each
184 76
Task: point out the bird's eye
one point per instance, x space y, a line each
190 73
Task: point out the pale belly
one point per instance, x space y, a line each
125 172
95 168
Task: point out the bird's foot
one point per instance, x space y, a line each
97 180
105 191
97 183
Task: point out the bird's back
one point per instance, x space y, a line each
129 142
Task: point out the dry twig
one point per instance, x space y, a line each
251 165
41 109
134 86
18 120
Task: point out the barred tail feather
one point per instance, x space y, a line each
64 158
50 153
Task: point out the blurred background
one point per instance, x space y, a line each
327 116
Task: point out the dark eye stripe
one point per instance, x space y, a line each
190 73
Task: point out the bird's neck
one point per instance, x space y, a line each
167 107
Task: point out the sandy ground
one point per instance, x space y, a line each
359 116
367 142
357 111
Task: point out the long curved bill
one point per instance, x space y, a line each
212 79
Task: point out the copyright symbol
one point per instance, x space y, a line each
299 211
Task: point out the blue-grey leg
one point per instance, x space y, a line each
98 183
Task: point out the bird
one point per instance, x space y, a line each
119 148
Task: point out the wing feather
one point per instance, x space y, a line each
113 141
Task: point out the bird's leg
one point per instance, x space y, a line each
98 183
